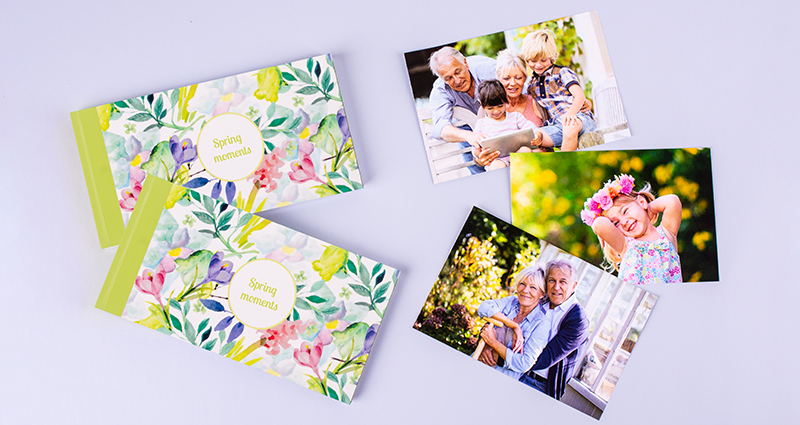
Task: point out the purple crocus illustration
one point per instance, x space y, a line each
368 340
183 151
219 270
341 119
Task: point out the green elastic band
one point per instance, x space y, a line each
97 172
133 246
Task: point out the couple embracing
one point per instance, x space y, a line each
547 328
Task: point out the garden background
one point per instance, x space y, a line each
549 191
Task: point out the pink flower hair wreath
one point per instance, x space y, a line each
603 199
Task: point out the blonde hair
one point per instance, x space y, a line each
536 274
539 44
612 257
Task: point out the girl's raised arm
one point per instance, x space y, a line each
670 206
605 230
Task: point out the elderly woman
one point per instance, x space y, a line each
526 334
511 70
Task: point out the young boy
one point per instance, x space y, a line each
494 101
557 90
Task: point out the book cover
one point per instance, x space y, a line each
537 314
230 282
257 140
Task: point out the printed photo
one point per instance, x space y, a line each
646 216
552 79
535 313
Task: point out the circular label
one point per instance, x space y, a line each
230 147
262 293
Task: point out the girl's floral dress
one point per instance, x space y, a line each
651 262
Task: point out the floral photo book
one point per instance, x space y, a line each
230 282
256 140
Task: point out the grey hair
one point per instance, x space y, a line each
438 56
563 265
506 59
536 273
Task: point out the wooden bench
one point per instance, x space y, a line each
444 158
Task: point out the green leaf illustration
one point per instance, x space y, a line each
176 323
205 218
351 340
161 163
360 290
140 117
328 136
194 268
189 332
381 290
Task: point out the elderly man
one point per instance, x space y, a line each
456 86
569 331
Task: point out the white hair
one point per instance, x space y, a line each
564 266
440 55
536 274
507 59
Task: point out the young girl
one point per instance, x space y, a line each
494 101
624 221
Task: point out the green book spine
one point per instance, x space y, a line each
133 246
97 172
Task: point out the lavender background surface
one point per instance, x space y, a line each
715 74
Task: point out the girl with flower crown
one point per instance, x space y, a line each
624 221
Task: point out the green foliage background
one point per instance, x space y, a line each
568 42
548 192
481 266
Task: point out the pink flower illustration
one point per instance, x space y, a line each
130 195
308 355
267 174
290 248
229 97
303 169
151 282
279 336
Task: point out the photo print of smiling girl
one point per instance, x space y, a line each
646 216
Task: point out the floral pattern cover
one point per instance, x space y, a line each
296 106
199 243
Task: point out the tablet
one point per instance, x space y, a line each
508 142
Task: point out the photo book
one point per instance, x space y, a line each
230 282
646 216
256 140
555 76
537 314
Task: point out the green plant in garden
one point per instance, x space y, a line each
487 45
569 43
480 267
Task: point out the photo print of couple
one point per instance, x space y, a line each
556 78
535 313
